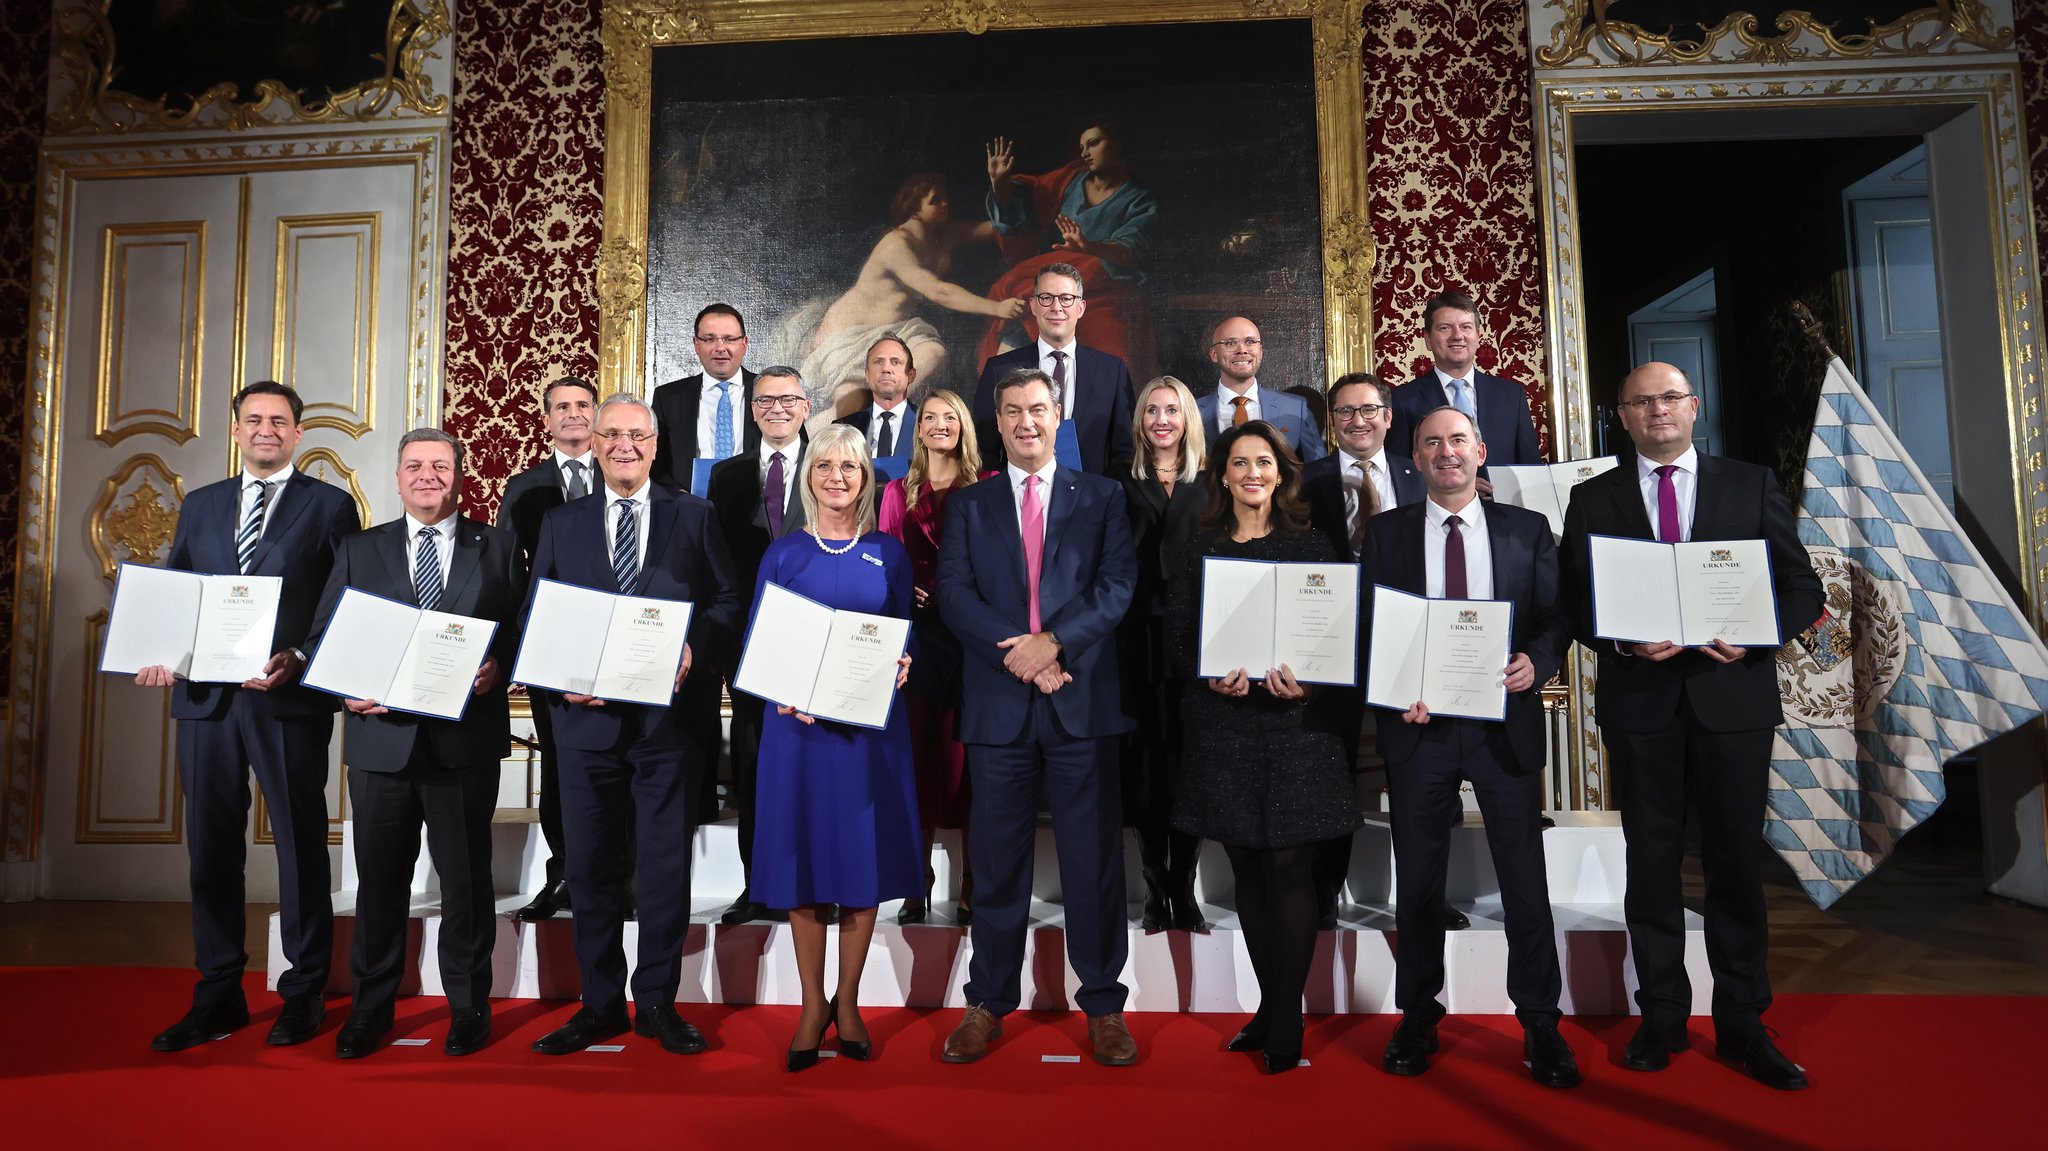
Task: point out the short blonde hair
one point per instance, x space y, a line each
840 440
1193 441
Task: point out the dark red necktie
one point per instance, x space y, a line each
1454 559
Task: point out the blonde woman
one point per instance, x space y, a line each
943 459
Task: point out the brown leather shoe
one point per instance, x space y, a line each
1113 1044
969 1041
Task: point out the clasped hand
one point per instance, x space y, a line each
1035 659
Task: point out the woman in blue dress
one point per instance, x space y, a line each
836 805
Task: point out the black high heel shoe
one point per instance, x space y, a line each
805 1058
1252 1037
858 1050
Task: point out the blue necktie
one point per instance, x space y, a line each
626 549
723 444
1461 398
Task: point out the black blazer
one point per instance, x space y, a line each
1733 501
308 521
1525 573
743 515
1102 410
1504 420
675 412
485 581
1323 483
529 496
906 428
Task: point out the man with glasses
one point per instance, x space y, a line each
1691 725
890 420
704 417
1450 328
1095 386
1237 351
756 496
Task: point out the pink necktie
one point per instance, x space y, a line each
1034 544
1667 505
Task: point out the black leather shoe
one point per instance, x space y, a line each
1455 920
584 1029
1250 1037
675 1033
1551 1061
913 911
299 1021
362 1034
1275 1064
1187 913
1760 1057
964 914
800 1059
1158 912
1653 1045
1327 922
553 897
743 910
203 1025
468 1030
1409 1050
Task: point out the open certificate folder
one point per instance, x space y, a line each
589 642
1690 594
1259 615
209 628
406 659
1451 654
837 665
1545 488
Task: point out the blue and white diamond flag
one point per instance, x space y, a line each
1921 656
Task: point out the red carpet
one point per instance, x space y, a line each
1889 1072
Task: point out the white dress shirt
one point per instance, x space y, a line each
1045 364
1226 405
639 500
1378 472
1478 548
276 481
1044 474
444 542
899 417
707 416
591 480
1685 482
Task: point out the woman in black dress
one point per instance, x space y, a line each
1165 494
1263 772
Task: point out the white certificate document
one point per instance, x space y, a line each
1451 654
590 642
404 658
1690 594
1545 488
209 628
827 663
1258 615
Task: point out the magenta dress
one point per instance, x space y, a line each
934 688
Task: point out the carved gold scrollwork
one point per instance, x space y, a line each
973 16
1938 28
325 464
131 514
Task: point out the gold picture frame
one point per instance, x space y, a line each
1937 28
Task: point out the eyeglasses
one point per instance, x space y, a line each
728 341
636 437
1369 411
1233 343
788 403
1668 399
1047 299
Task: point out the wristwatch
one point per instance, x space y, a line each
1055 640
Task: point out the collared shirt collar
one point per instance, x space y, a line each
1688 463
276 479
1437 513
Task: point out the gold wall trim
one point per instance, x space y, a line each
632 29
113 420
94 826
355 418
86 61
1738 38
325 465
143 526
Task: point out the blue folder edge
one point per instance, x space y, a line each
748 646
1502 717
1598 632
1201 643
314 658
558 688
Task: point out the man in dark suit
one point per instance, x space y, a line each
1691 724
568 473
405 770
272 520
1453 546
705 416
1450 327
1237 350
1036 569
889 421
1095 386
757 499
632 762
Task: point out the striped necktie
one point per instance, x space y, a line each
252 527
426 571
626 549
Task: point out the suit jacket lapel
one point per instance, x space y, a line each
1500 537
1062 513
1706 501
660 519
463 567
291 504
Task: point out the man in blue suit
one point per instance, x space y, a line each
272 520
1035 571
1094 387
1237 351
1450 327
624 761
1452 545
889 421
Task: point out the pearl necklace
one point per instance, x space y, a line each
830 550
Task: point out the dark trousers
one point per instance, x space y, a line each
1080 777
650 788
748 716
1276 906
1724 775
1424 789
289 758
550 785
455 805
1329 866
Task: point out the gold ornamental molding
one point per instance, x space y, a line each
1739 38
87 63
362 231
132 514
95 824
154 259
325 464
632 29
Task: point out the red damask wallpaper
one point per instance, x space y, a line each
24 80
526 138
1450 144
